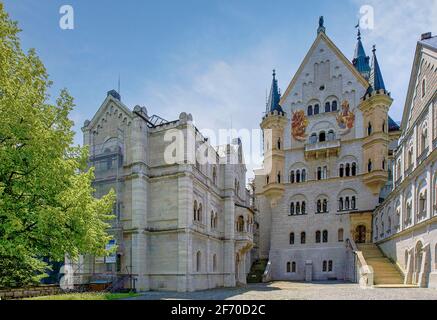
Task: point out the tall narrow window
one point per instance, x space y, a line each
324 266
303 208
369 129
340 235
341 171
279 177
292 212
322 136
340 204
325 206
293 267
319 173
354 169
298 176
334 105
198 261
304 175
423 88
214 263
292 238
292 177
279 143
303 238
288 267
318 237
348 170
319 206
354 203
347 203
297 208
310 110
325 236
330 266
195 210
316 109
214 175
369 166
327 107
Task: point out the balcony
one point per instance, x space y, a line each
323 149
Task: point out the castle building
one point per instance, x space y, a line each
328 143
405 225
180 225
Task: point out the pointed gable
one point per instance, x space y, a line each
414 103
322 41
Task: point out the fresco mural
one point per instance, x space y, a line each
299 123
345 118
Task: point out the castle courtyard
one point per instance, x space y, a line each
297 291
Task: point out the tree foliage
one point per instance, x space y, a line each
47 208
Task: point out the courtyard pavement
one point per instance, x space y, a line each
297 291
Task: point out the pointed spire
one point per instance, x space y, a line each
274 97
376 80
321 27
360 60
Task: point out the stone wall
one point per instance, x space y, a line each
29 292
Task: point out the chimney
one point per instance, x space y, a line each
425 36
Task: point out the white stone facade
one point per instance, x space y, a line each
405 225
181 226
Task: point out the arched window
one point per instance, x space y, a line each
195 211
303 238
383 126
340 235
198 261
303 208
341 171
240 224
330 266
310 110
354 203
316 109
318 236
422 204
354 169
331 135
340 204
298 176
383 164
199 213
348 170
324 266
293 267
369 166
322 136
327 107
325 206
297 208
319 173
304 175
319 206
292 212
369 129
334 105
279 143
423 88
214 175
214 263
288 267
347 203
268 179
279 177
292 238
292 177
325 236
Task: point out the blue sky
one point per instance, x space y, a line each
210 58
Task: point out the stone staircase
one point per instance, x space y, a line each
256 271
386 273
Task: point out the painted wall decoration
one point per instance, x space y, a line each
345 118
299 123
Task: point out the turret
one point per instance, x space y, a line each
273 125
374 106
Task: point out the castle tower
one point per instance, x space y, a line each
273 125
374 106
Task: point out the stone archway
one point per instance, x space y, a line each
360 234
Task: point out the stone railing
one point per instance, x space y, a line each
267 276
20 293
363 270
322 145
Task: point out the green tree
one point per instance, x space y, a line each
47 208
